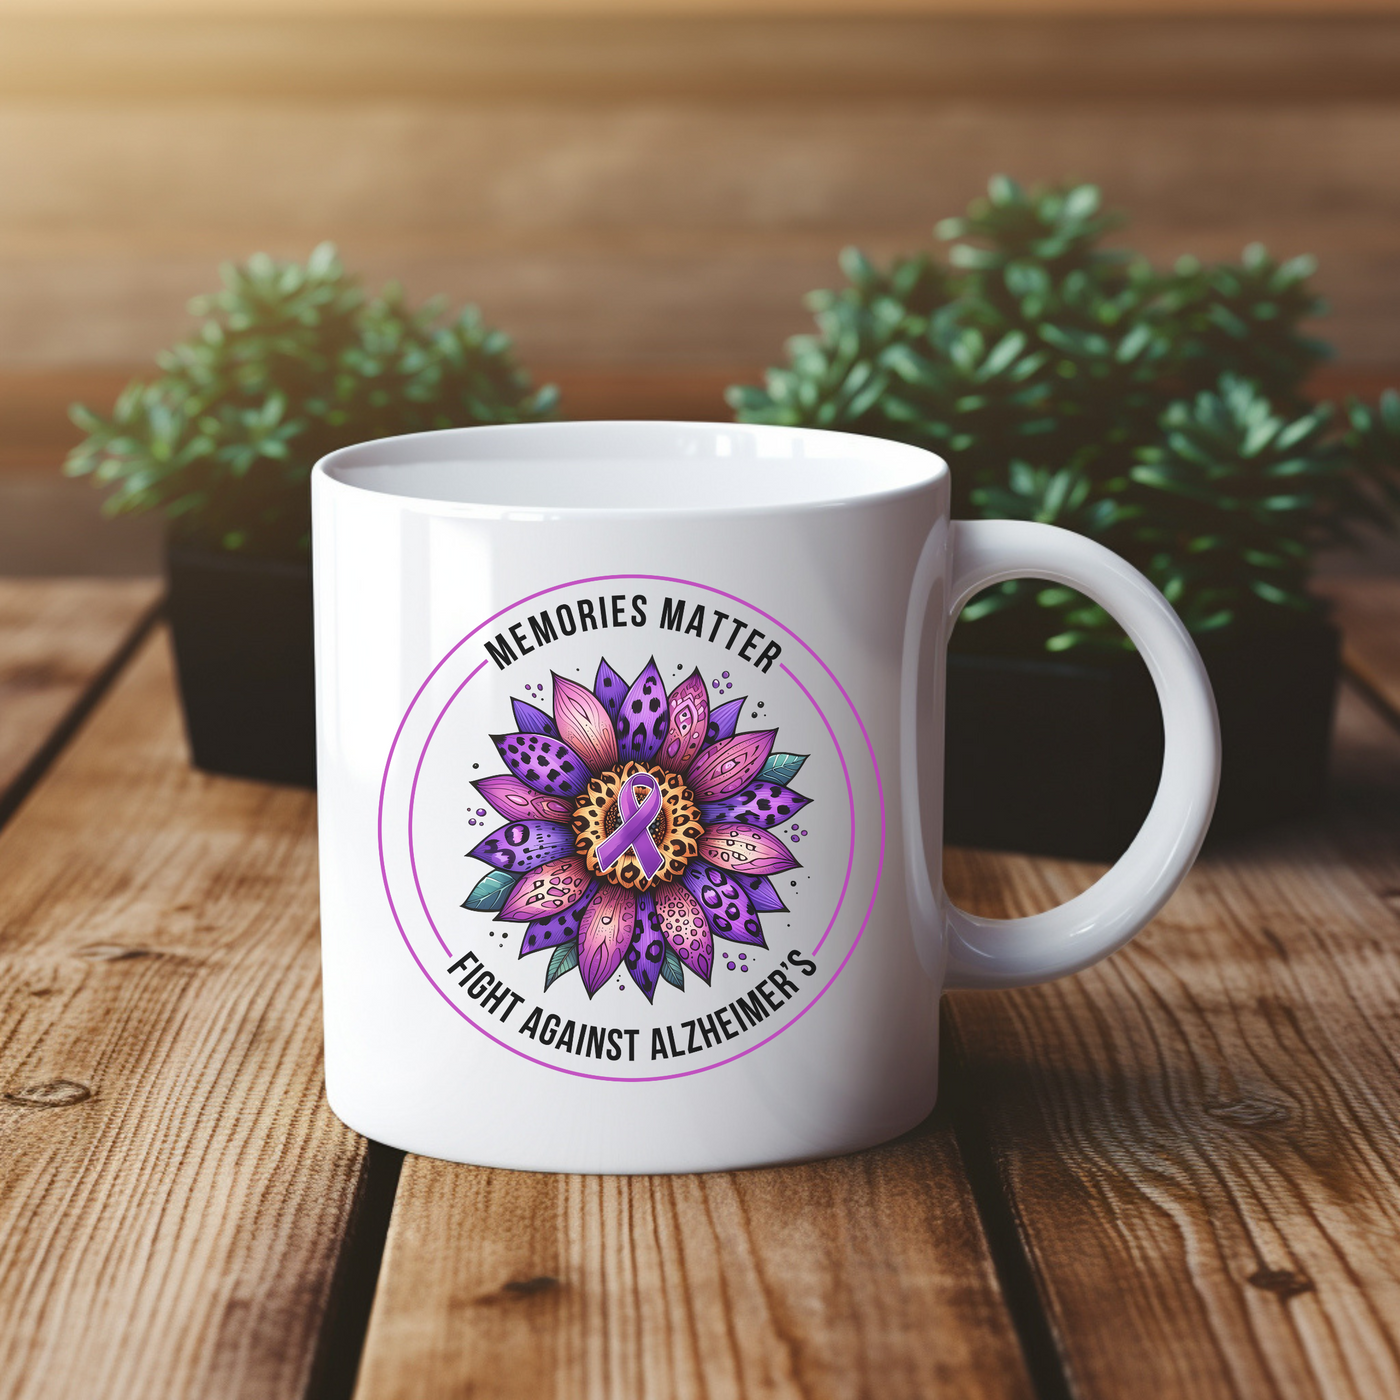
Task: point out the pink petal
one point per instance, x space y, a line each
690 718
514 798
684 928
745 850
604 932
550 890
584 724
724 768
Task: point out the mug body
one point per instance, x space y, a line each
616 821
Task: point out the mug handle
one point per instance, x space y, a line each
1017 952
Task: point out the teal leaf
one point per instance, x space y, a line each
491 891
671 968
563 959
782 768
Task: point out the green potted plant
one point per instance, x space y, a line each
1161 412
291 361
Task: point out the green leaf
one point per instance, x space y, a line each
290 362
1160 411
782 768
671 969
492 890
563 959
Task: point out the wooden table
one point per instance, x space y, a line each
1173 1175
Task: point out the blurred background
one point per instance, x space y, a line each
639 194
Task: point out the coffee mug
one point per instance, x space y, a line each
630 766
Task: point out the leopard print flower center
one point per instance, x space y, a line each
677 831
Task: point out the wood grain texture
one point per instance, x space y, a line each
1124 51
56 637
643 232
1198 1137
173 1188
1368 612
643 9
864 1276
639 192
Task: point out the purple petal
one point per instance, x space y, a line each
610 688
642 721
760 891
548 765
647 950
559 928
729 766
515 800
724 720
729 912
685 928
530 720
689 708
547 890
604 932
522 846
759 804
584 724
746 850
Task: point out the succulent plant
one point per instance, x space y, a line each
291 361
1163 413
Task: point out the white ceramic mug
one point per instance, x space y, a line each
630 755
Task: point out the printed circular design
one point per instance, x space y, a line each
673 822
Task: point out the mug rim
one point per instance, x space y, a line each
916 468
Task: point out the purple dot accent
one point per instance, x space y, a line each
796 839
730 966
471 821
715 684
725 674
481 811
729 685
743 957
804 833
745 968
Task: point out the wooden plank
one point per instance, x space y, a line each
638 9
1312 50
57 636
867 1275
1367 609
646 230
174 1191
1199 1137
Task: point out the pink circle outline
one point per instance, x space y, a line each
651 578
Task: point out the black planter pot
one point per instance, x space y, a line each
243 650
1062 758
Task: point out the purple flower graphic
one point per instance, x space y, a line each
639 828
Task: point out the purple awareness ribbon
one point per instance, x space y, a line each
635 827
